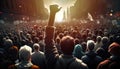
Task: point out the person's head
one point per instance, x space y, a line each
25 53
8 42
90 45
67 45
57 40
77 49
13 52
61 35
98 39
112 39
105 40
36 39
36 47
117 39
77 41
114 49
28 36
41 37
84 46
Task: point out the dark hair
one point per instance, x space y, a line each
117 39
77 41
84 46
67 45
36 39
57 40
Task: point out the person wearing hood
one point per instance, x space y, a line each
77 52
90 58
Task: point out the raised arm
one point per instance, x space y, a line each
51 51
53 10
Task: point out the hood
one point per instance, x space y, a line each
78 49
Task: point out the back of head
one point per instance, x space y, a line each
67 45
117 39
41 37
77 41
13 52
77 52
90 45
84 46
36 46
25 53
77 48
114 49
36 39
8 42
58 40
105 40
98 38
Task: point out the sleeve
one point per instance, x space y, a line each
51 51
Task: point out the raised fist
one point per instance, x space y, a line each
54 8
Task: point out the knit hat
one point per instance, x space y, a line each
114 49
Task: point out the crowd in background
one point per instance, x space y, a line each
92 42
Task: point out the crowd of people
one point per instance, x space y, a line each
59 46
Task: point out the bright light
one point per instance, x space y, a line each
65 4
59 16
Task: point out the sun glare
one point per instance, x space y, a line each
59 16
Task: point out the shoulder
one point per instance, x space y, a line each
80 63
42 53
85 57
104 64
98 58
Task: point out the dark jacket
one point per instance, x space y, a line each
91 59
